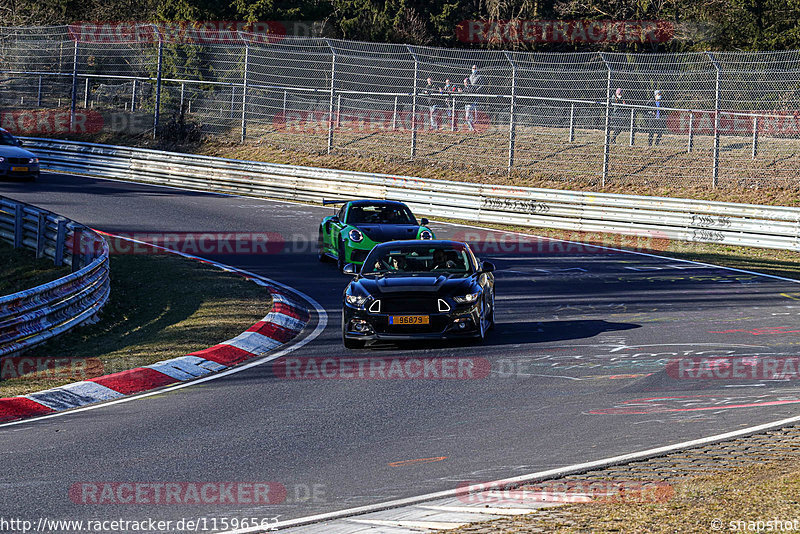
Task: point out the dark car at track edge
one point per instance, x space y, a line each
408 290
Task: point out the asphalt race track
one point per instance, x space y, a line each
576 370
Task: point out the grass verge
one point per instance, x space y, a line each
21 270
758 492
161 307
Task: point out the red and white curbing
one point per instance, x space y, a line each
285 321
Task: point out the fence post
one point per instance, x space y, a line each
414 105
39 94
715 173
453 113
183 91
233 100
19 224
608 121
133 97
512 126
755 137
74 95
284 103
338 109
633 119
330 103
691 132
157 111
244 90
571 123
86 94
394 115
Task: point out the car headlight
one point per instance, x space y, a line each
355 236
33 160
355 300
468 298
425 234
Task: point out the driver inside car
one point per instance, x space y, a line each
440 260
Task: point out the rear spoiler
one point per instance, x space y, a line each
329 202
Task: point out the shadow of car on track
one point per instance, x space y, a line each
517 333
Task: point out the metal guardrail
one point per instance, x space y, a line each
730 223
35 315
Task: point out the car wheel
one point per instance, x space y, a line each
320 247
340 257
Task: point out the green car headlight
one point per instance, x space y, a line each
355 236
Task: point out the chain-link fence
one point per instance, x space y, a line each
723 119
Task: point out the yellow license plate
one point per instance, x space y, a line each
19 169
409 319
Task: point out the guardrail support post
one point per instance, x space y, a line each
244 91
633 119
690 143
607 122
157 110
414 105
133 96
19 221
571 124
39 94
755 138
512 127
715 172
77 249
61 238
74 95
330 102
41 229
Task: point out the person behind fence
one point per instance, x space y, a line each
429 92
469 107
618 115
656 121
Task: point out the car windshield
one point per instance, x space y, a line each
441 259
380 214
7 139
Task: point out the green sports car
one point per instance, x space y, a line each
348 236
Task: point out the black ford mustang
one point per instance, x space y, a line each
418 290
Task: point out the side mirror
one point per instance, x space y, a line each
487 267
18 142
424 222
334 219
350 269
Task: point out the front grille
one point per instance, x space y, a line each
18 161
409 305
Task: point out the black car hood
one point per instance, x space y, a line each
435 283
380 233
